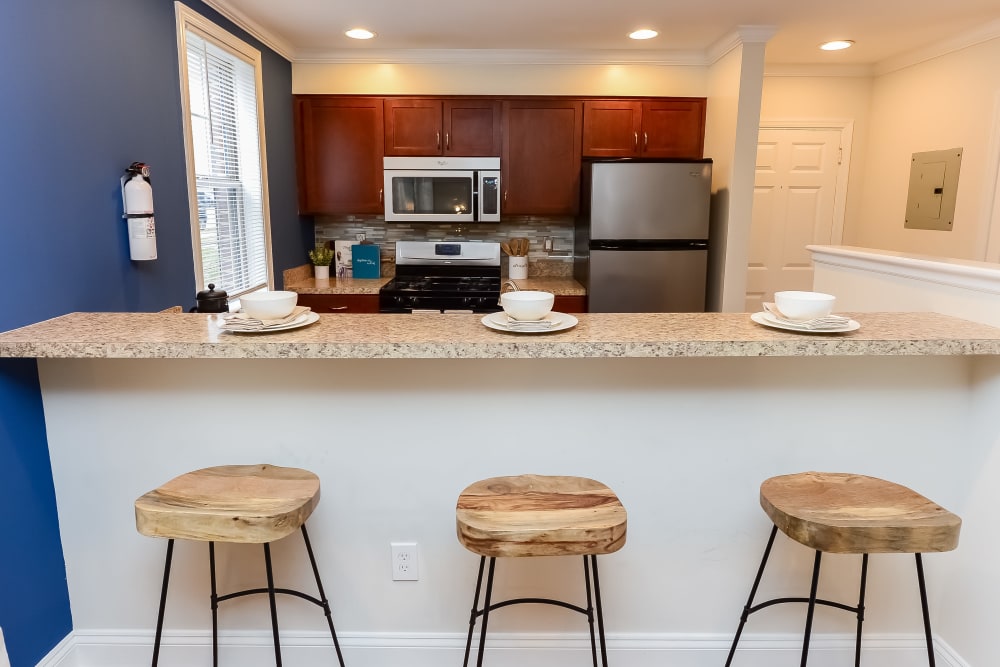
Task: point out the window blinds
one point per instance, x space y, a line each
227 163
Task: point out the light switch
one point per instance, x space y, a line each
930 203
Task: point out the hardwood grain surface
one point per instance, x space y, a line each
238 503
854 514
538 515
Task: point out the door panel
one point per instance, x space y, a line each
794 195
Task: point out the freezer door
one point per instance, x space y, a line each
650 200
647 281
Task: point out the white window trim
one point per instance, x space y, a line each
189 19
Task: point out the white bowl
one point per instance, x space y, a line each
269 305
527 304
804 305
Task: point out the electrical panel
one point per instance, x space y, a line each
930 203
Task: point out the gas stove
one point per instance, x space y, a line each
441 277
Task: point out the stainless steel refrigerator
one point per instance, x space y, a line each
641 239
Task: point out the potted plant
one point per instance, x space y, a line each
321 256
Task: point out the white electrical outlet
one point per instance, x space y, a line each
404 561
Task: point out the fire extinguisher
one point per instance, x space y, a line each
137 199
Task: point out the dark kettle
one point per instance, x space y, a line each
211 301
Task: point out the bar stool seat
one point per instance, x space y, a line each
248 504
537 515
851 514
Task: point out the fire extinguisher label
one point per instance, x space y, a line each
141 228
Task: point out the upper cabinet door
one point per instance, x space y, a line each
442 126
667 127
413 127
611 128
472 128
339 154
673 128
541 157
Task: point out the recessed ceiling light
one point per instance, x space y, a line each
837 45
644 33
359 33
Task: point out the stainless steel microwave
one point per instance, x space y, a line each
440 189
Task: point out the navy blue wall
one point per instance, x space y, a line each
87 88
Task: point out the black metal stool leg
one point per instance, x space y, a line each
753 594
861 609
590 611
486 612
163 602
325 604
215 605
274 606
811 610
475 611
600 612
926 612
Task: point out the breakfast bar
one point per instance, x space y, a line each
684 415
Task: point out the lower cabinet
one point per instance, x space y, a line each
340 303
569 304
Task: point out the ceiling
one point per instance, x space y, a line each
313 30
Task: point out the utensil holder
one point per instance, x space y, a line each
518 267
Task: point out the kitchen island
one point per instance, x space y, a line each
683 415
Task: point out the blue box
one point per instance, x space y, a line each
365 258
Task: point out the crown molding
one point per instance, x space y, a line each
504 57
983 33
257 31
744 34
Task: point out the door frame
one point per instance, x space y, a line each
846 129
991 200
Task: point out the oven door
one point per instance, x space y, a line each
430 195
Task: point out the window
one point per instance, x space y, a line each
224 144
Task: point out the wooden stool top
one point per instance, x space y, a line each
855 514
537 515
243 503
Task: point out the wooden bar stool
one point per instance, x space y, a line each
850 514
255 504
535 515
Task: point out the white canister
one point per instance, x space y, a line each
518 267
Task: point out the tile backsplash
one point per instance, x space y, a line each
557 262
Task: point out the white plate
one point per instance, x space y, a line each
768 321
562 321
303 320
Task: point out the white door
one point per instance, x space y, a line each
795 196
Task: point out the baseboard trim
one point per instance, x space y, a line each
91 648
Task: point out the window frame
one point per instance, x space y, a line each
187 19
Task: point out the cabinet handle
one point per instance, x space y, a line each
333 308
380 196
645 140
635 140
504 196
439 140
447 141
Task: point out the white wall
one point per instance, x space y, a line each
946 102
684 442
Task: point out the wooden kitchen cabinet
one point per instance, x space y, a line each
540 161
339 154
569 303
340 303
667 127
454 127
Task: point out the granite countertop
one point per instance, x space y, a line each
194 335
